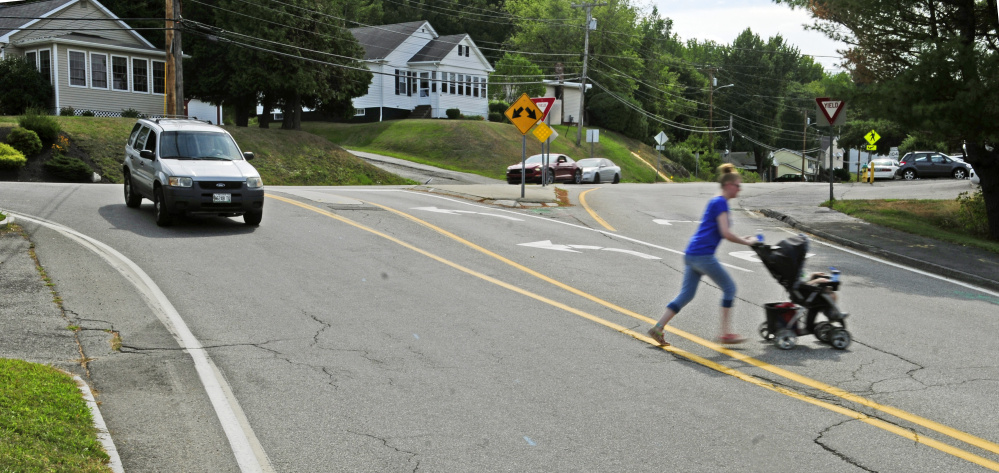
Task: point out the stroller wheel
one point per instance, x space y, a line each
785 339
764 331
839 339
823 330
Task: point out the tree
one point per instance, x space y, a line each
22 86
930 65
515 75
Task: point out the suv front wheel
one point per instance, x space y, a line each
163 218
909 174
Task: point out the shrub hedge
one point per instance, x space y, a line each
25 141
11 158
68 168
43 125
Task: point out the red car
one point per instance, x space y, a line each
560 168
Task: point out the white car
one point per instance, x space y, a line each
597 170
884 168
973 176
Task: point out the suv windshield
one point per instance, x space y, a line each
198 145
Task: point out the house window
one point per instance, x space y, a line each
45 64
424 84
400 84
32 58
360 112
475 86
482 87
411 83
460 53
466 51
98 71
159 77
461 84
140 75
468 85
119 73
77 68
433 81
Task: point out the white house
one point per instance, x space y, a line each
789 162
565 110
103 67
420 74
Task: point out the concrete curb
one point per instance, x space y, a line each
6 221
102 429
884 254
523 203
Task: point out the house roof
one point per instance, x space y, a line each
31 10
380 41
436 49
743 159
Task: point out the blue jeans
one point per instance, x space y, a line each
697 266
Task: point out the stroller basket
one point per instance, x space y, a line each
781 315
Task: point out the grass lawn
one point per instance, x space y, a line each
483 148
45 425
929 218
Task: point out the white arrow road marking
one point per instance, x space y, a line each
663 221
459 212
548 245
746 255
640 255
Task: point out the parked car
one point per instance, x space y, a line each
973 176
792 178
597 170
560 168
190 167
920 164
885 168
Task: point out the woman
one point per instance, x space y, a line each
700 258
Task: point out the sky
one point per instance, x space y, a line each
723 20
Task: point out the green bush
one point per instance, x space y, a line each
68 168
67 112
11 158
972 215
495 117
497 107
453 113
22 86
130 113
25 141
86 113
43 125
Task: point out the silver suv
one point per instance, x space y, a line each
190 167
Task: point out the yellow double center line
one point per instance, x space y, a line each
803 380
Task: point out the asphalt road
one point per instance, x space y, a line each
381 329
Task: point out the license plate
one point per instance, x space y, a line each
222 198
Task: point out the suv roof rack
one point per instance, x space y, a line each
157 120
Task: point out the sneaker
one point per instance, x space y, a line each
730 339
657 334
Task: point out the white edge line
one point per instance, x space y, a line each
103 435
900 266
245 447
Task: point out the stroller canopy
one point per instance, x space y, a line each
785 259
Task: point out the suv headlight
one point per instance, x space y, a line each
254 182
180 181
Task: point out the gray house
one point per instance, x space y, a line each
94 60
418 73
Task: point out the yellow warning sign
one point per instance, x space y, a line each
523 114
872 137
542 132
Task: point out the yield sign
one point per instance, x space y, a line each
544 104
523 114
831 109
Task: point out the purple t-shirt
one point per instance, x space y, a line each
708 236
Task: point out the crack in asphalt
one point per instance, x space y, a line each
385 442
842 456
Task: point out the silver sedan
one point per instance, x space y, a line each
597 170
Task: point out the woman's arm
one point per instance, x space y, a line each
727 234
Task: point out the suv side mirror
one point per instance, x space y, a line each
247 155
147 154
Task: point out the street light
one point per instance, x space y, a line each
711 115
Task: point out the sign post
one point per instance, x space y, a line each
831 113
661 140
523 114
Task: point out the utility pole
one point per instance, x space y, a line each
711 110
804 137
173 75
586 54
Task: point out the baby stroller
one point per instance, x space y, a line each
809 298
